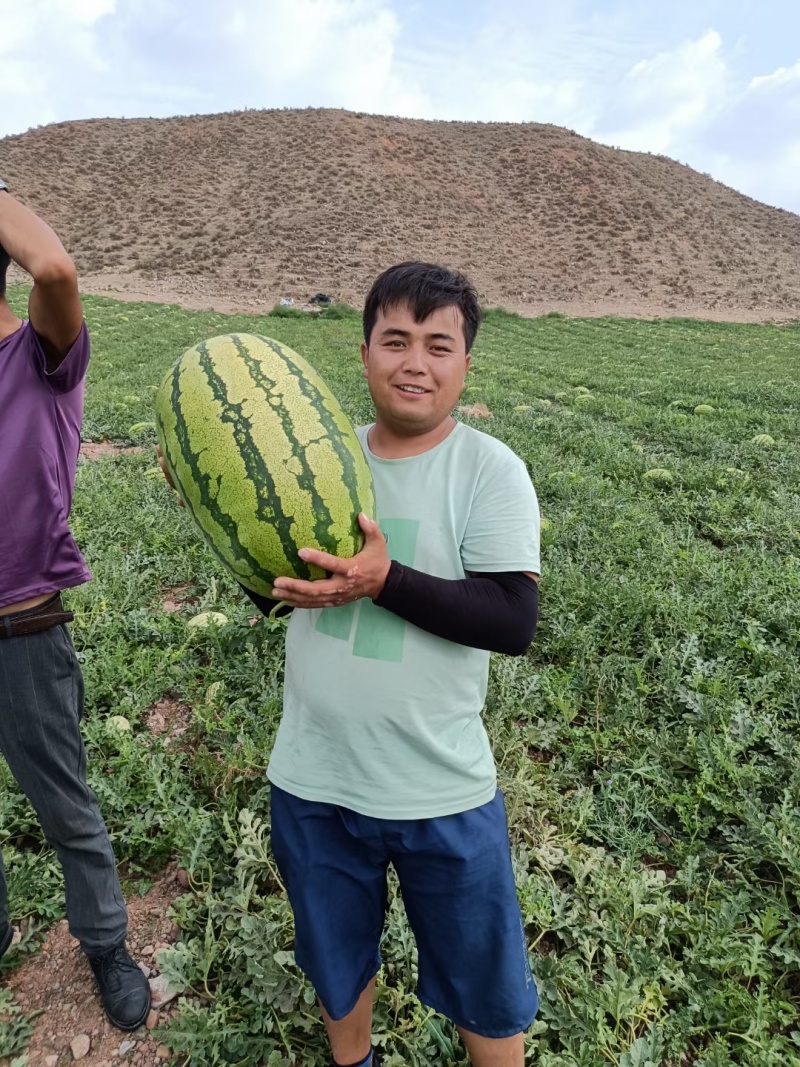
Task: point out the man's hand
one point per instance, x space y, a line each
351 579
163 465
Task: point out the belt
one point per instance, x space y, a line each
42 617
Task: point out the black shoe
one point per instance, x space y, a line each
6 937
124 990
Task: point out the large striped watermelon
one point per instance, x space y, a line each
263 456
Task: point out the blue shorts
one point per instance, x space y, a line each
458 889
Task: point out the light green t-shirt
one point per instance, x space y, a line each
380 716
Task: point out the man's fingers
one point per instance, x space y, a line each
290 588
306 602
163 465
325 561
370 528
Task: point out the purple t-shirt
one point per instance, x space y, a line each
40 428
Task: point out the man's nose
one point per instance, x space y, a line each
415 359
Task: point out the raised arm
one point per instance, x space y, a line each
54 307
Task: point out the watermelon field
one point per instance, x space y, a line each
648 743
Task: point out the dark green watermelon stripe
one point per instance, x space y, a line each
343 454
179 484
268 499
328 420
182 493
307 479
203 481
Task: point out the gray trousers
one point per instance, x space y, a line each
41 704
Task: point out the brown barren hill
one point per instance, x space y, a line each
237 210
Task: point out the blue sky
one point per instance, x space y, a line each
713 83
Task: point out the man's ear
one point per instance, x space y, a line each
364 359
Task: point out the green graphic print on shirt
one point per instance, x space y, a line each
379 634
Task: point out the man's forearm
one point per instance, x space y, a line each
497 612
31 243
54 305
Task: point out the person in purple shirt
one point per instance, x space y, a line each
43 363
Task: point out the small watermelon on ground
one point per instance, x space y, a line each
660 476
263 456
207 619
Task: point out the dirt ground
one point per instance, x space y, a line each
195 296
58 981
97 449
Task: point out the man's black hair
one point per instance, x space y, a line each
5 259
424 288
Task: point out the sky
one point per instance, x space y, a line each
712 83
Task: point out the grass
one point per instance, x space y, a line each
647 744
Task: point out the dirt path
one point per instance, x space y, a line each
97 449
57 980
202 295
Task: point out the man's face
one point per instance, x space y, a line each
416 370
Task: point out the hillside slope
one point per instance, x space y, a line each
242 208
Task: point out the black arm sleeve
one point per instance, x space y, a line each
497 612
265 604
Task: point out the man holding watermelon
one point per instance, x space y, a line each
43 362
381 756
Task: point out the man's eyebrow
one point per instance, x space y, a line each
395 331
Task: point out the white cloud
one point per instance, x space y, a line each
85 12
501 71
755 145
343 48
664 99
44 48
63 59
779 78
689 103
